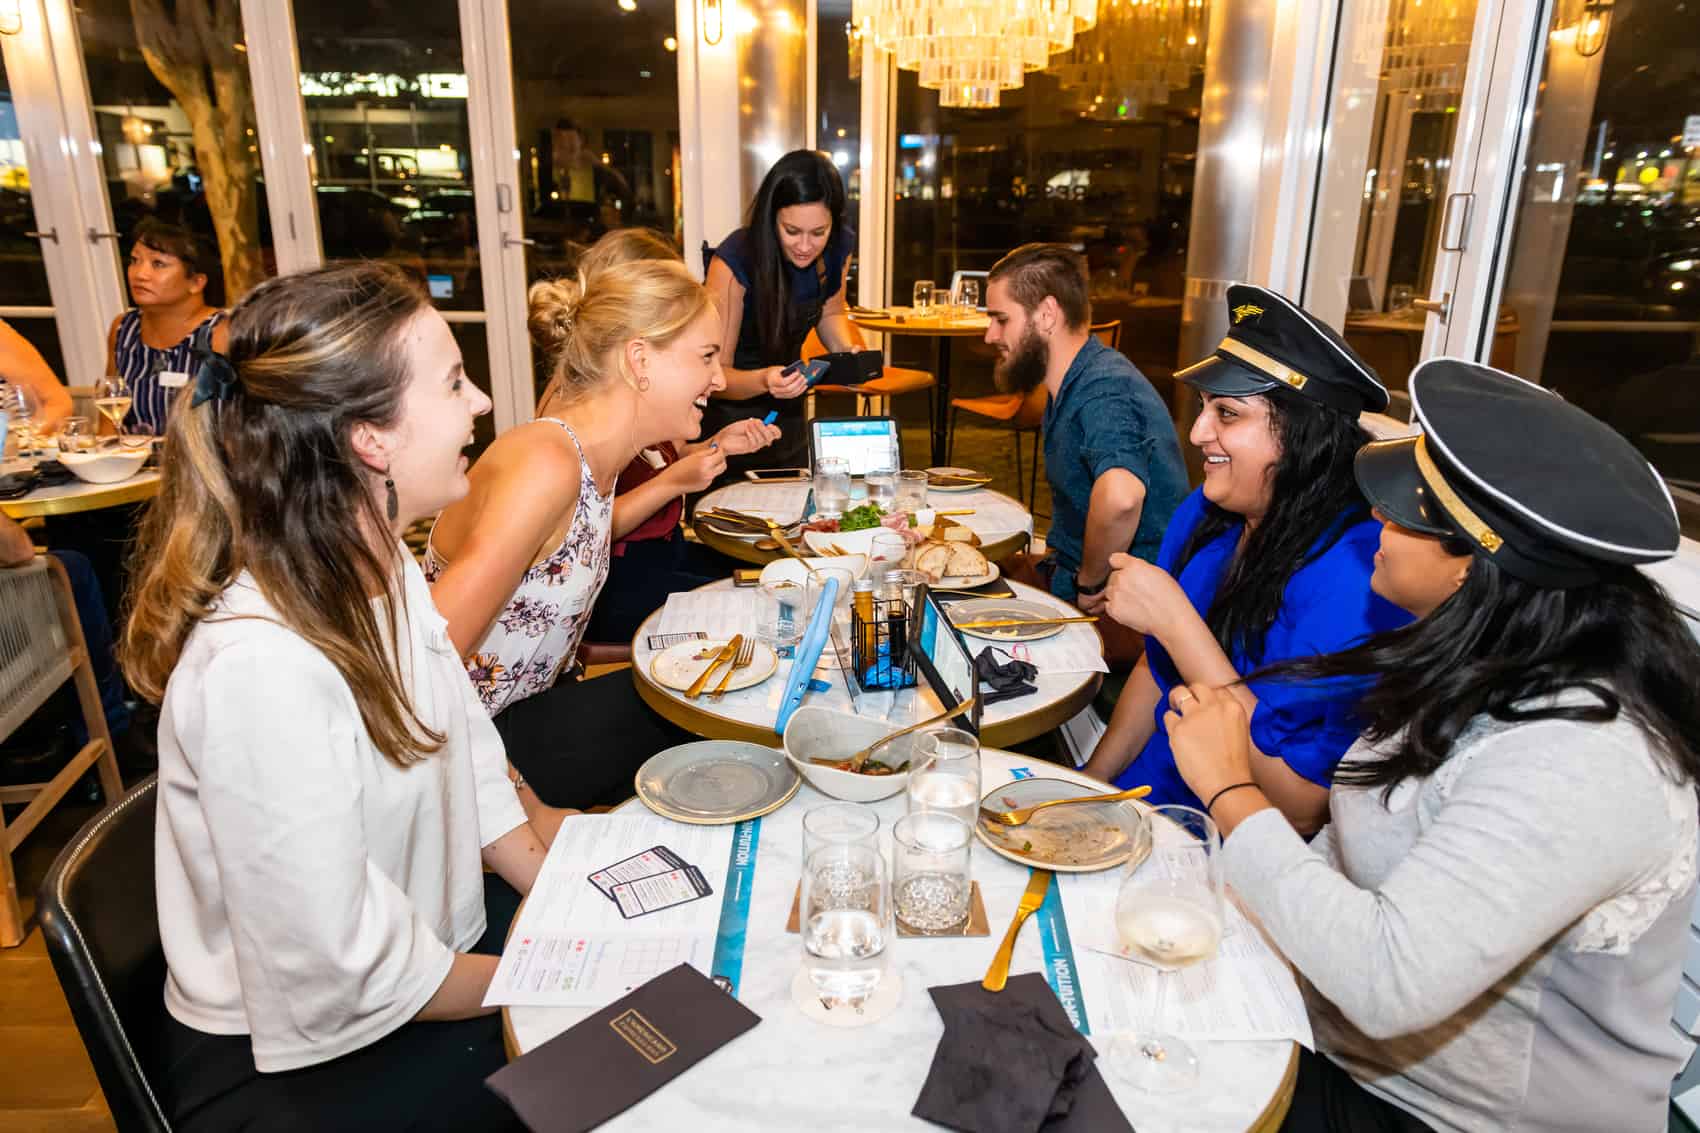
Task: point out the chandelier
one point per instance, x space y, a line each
970 51
1140 51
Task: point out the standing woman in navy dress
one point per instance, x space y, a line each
1268 561
774 280
171 275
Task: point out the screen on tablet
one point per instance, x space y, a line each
952 666
866 442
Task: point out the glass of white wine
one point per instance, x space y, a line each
1169 914
112 399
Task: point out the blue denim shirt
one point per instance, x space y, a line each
1106 415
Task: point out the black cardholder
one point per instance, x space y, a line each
620 1055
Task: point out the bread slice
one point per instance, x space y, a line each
965 562
933 559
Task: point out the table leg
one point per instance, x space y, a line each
941 417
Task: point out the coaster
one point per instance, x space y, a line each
877 1006
976 924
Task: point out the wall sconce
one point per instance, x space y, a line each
11 17
1595 25
713 21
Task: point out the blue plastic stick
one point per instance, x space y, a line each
771 417
808 653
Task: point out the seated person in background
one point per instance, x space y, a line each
516 566
22 365
1111 455
152 345
1492 925
1268 561
329 785
651 556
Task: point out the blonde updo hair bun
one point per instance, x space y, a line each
551 304
590 320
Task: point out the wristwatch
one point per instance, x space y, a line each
1083 589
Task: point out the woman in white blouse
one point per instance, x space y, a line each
329 786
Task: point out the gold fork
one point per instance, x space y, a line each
1021 815
746 654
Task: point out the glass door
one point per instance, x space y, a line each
25 301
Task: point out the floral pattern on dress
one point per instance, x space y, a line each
537 634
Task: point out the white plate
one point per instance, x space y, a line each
794 571
969 581
678 666
959 487
853 542
1006 609
1082 838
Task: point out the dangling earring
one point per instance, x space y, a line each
392 506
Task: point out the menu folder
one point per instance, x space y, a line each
612 1060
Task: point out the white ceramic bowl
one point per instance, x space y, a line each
106 467
793 571
826 733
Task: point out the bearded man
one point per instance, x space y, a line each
1111 454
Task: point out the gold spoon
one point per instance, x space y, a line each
861 757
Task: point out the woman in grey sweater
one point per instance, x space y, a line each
1491 927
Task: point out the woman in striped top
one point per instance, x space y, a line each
151 345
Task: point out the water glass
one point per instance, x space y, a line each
911 490
929 871
835 823
965 296
1169 914
886 551
946 775
781 614
882 487
75 435
923 296
19 404
832 486
844 913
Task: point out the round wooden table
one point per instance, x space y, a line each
935 325
749 714
1002 522
791 1073
67 499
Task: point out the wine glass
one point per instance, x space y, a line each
886 551
112 399
923 296
965 296
1169 914
19 404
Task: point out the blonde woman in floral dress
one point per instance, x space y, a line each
516 566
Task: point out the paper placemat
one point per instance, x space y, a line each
718 612
1077 649
781 502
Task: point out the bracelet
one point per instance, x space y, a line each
1231 787
1086 591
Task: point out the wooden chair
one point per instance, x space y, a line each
41 646
873 398
1021 413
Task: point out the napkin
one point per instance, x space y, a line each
1011 1062
1006 680
617 1057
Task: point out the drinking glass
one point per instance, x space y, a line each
19 404
929 870
832 485
834 823
1399 297
882 487
965 296
946 776
840 627
886 551
911 490
844 912
1169 914
923 296
112 398
780 614
75 435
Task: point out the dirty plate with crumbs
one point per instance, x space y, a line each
1079 838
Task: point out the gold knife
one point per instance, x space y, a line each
720 658
998 974
1006 623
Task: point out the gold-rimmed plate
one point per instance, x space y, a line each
714 782
1007 610
1080 838
942 480
678 666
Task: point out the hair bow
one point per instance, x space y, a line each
215 379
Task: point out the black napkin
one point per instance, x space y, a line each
612 1060
1005 680
1011 1062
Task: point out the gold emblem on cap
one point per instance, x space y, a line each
1245 311
1460 512
1263 363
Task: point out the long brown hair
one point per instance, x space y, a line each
265 480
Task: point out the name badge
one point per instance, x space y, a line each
173 379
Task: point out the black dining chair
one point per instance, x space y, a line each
101 927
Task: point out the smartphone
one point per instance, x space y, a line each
777 475
813 372
746 576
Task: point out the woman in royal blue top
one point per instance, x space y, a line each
774 280
1270 560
